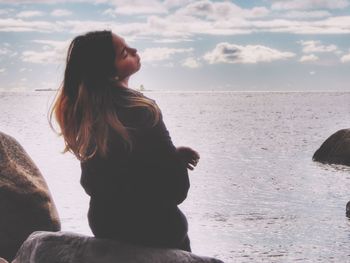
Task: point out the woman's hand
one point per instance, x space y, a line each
189 156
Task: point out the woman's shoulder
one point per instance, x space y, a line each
132 93
142 95
138 116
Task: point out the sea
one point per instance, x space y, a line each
255 196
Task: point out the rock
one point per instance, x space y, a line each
336 149
347 210
25 201
65 247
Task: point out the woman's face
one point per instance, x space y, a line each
127 61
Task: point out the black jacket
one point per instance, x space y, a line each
134 196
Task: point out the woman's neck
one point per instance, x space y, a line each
124 82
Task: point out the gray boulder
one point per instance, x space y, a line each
336 149
65 247
25 201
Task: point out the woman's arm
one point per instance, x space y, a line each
173 175
189 156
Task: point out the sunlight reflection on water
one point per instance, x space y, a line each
255 195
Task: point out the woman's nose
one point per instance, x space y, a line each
133 50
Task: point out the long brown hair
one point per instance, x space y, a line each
85 107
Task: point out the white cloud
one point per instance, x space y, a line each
2 70
127 30
309 4
81 26
257 12
6 51
28 14
312 46
39 57
185 26
169 65
176 3
18 25
6 11
172 40
175 26
220 10
52 52
208 9
161 53
250 54
127 7
109 12
191 63
333 25
345 58
38 1
212 18
309 58
307 14
53 43
61 12
25 70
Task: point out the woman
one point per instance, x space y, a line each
133 173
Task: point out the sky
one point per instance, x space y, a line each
186 45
